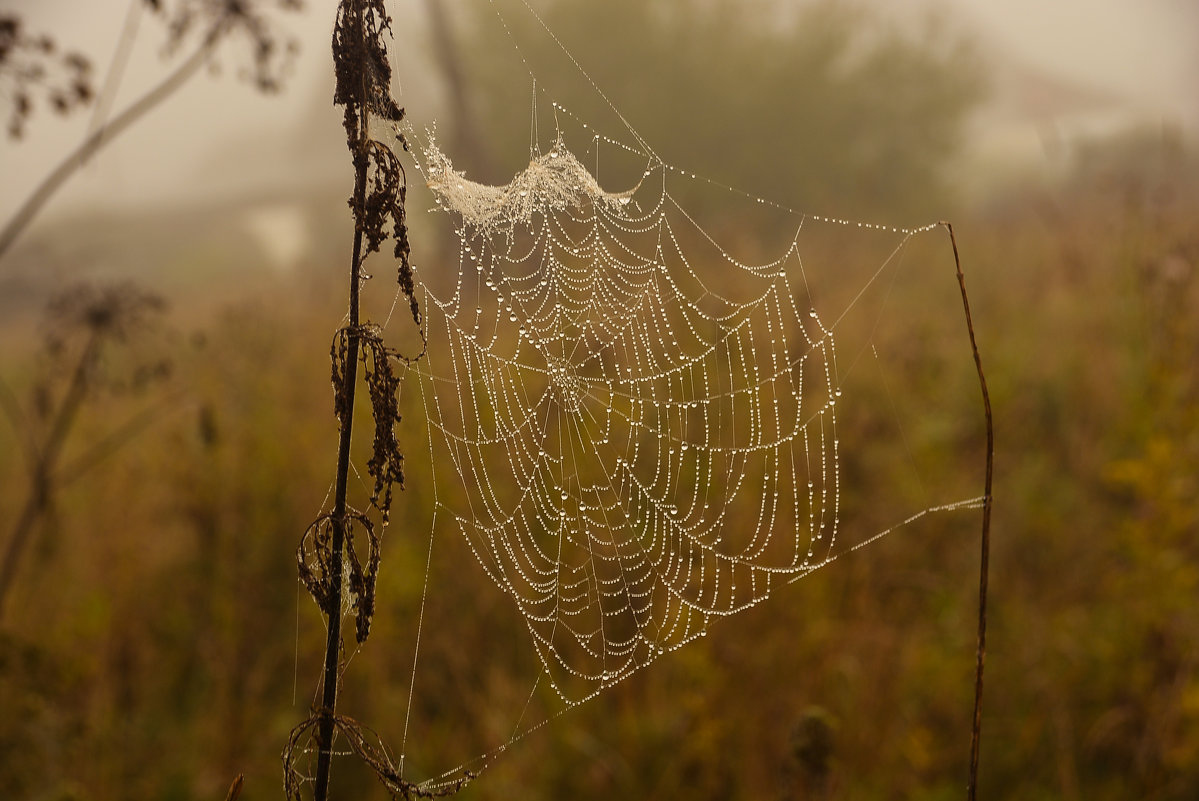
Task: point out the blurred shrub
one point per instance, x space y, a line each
823 107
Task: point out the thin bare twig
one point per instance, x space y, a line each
116 69
102 136
41 473
976 730
20 425
235 788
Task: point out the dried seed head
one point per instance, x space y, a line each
112 310
31 66
83 319
268 54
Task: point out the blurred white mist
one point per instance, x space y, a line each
1060 70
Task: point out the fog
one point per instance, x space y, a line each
1073 68
635 363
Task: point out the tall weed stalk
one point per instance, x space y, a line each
338 557
84 323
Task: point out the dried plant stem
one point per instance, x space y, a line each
328 558
35 505
346 391
235 788
102 136
116 70
976 730
42 463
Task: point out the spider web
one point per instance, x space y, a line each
634 430
640 450
633 439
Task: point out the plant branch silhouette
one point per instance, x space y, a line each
117 67
32 65
985 547
106 316
227 18
44 458
329 559
102 136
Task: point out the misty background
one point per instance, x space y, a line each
156 643
1054 74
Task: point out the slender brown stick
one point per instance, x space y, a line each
45 458
20 425
976 732
333 642
102 136
235 788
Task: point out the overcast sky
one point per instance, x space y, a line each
1145 54
1148 48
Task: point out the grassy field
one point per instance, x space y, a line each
157 643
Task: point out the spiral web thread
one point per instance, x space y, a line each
611 416
639 443
634 430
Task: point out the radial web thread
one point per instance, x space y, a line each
639 449
634 430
